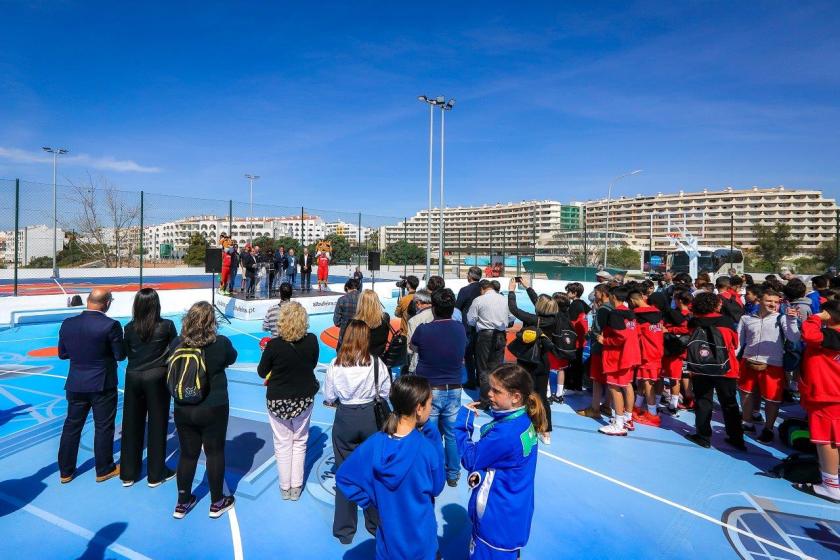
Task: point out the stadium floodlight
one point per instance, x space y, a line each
55 152
607 221
444 107
251 178
432 103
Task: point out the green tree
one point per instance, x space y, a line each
288 243
266 244
826 253
774 243
196 250
624 257
403 252
40 262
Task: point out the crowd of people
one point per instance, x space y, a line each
654 348
282 267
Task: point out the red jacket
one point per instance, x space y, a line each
621 341
733 295
225 260
820 381
577 313
651 334
730 337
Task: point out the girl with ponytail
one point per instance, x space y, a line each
502 463
400 472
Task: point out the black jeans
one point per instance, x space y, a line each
469 356
104 405
250 283
727 389
201 426
353 424
489 354
574 373
231 285
145 396
306 281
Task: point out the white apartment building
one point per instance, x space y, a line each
497 227
348 231
812 217
33 242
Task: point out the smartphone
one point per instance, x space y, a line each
517 279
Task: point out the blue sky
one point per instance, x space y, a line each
553 99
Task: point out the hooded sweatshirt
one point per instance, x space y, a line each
502 465
621 341
651 334
578 310
761 337
401 476
820 381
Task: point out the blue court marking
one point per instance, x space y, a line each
650 495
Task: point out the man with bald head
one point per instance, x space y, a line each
93 343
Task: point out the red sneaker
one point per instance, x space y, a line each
629 425
649 419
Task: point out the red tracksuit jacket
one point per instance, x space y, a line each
577 313
621 341
820 382
651 334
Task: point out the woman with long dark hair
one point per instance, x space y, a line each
146 399
204 425
350 381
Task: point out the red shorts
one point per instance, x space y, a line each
770 382
649 372
621 378
596 369
824 423
555 363
672 367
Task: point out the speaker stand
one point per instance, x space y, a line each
219 312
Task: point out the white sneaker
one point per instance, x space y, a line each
612 429
545 438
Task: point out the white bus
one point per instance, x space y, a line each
717 261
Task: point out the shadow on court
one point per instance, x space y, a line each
17 493
104 537
8 414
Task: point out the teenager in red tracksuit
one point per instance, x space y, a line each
819 388
620 357
578 311
706 309
651 331
676 323
603 307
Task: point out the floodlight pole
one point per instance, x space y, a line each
607 223
55 152
251 178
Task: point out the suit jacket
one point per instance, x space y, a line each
93 342
306 263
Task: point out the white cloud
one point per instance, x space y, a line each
105 163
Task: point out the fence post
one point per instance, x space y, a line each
405 246
359 242
302 243
17 226
230 219
534 236
585 248
141 240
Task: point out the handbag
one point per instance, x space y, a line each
381 408
395 352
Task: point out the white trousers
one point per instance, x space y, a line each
290 438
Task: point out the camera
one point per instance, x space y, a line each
401 284
656 277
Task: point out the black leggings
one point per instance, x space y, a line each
201 426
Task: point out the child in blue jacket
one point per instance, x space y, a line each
502 464
400 471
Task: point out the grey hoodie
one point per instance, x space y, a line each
761 339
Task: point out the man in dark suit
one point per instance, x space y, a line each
249 263
93 343
306 271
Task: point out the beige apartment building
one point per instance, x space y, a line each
500 227
716 213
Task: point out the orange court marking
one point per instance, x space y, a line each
48 352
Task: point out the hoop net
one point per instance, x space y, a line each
684 231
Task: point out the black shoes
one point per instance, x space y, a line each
766 436
737 443
698 440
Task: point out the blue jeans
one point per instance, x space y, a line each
445 406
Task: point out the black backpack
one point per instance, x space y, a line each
798 467
706 352
731 309
186 376
795 433
564 338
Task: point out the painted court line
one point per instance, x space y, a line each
70 527
234 534
710 519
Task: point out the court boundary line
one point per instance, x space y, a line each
673 504
71 527
235 535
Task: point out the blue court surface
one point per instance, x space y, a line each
649 495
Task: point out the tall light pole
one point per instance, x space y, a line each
251 179
444 107
432 103
609 195
55 152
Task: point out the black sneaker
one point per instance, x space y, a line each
757 417
698 440
748 428
453 482
766 436
737 443
181 510
168 475
217 509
